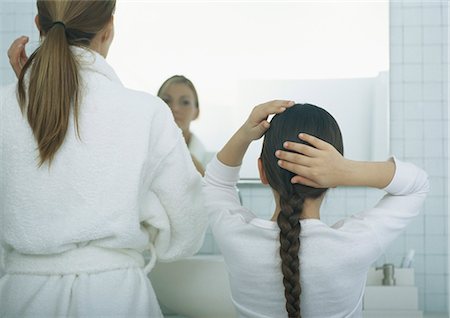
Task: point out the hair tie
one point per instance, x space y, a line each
59 22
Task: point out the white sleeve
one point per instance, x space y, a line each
172 206
390 216
219 187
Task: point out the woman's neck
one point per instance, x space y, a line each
187 136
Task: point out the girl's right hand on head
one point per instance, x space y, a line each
257 124
318 166
17 55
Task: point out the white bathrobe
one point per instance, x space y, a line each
73 233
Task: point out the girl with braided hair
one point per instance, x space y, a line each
294 265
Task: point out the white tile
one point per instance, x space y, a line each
436 302
432 35
395 54
410 3
412 72
435 264
432 91
415 242
432 54
434 167
414 129
432 72
396 111
396 75
412 35
412 54
412 92
434 148
395 14
396 91
397 129
435 205
432 15
396 35
433 129
419 280
419 268
445 14
397 147
412 16
413 109
433 110
421 299
435 244
437 185
445 56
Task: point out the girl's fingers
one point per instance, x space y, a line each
275 106
305 181
294 158
301 148
262 112
316 142
295 168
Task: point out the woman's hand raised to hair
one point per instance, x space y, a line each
253 128
257 124
17 55
321 166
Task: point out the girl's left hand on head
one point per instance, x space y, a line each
257 124
318 166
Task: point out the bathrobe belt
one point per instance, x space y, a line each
88 259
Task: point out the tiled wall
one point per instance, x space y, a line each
419 131
419 121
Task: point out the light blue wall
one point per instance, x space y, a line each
419 133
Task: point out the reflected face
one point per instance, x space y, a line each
182 103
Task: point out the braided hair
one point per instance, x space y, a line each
286 126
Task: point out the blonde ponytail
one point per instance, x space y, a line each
53 89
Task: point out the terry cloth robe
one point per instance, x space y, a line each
73 233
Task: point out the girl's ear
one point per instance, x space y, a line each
262 173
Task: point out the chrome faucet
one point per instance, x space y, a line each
388 274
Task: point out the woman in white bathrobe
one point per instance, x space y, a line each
88 183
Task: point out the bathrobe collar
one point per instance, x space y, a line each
92 61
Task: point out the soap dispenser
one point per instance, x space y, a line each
388 274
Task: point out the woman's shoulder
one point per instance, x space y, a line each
140 105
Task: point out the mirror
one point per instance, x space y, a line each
239 54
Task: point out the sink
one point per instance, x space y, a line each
398 301
194 287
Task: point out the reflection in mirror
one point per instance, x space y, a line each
334 55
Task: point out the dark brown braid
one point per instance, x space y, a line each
290 227
286 126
